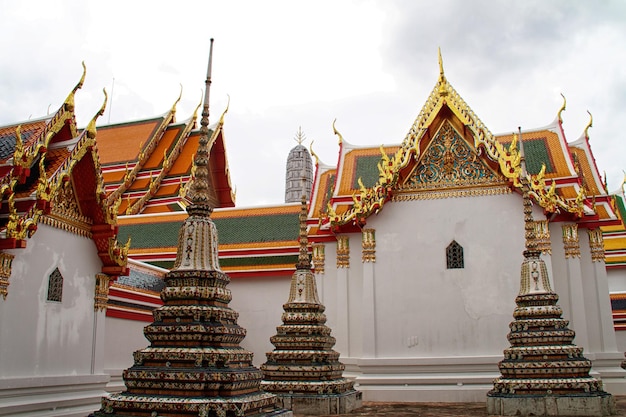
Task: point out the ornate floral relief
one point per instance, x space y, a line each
570 240
6 259
368 243
596 245
65 213
542 236
101 296
343 252
449 162
319 258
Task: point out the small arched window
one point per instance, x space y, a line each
55 286
454 256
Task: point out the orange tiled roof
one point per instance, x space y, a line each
120 143
30 131
172 134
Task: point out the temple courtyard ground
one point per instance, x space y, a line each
437 409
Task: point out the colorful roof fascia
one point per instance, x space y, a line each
253 241
321 194
118 149
135 296
618 305
56 179
599 200
152 182
391 170
614 236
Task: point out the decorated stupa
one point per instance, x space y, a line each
303 370
299 171
194 365
543 372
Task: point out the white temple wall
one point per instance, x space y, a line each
426 310
59 336
259 302
356 304
559 270
123 337
616 279
590 288
48 355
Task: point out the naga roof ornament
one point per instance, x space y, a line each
562 109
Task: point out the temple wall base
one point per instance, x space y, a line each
440 379
574 405
607 367
67 396
322 404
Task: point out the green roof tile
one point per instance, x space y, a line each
251 229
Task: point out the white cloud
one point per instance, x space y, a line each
370 64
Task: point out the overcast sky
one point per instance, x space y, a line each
291 64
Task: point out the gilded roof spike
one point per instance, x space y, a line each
336 132
69 101
562 109
225 110
173 110
195 112
91 127
442 78
590 124
317 159
18 154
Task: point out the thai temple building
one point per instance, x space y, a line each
303 370
415 248
54 296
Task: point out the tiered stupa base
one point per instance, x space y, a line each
321 404
543 372
304 371
252 405
591 404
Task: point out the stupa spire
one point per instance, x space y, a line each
194 365
199 190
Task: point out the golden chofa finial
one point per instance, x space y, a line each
590 124
562 109
300 136
225 110
69 101
91 127
180 95
336 132
442 78
317 160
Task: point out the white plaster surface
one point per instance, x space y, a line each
49 346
